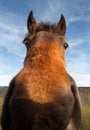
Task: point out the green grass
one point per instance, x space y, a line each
1 103
86 116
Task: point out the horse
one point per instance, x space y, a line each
43 96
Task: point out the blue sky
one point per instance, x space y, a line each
13 18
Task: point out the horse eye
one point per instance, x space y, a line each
66 45
25 41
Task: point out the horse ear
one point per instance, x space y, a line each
31 22
61 26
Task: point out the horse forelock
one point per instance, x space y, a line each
46 27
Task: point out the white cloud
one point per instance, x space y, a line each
11 34
82 80
75 42
77 18
5 80
3 67
50 12
78 63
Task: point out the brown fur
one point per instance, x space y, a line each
42 96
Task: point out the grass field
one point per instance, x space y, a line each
86 116
1 103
